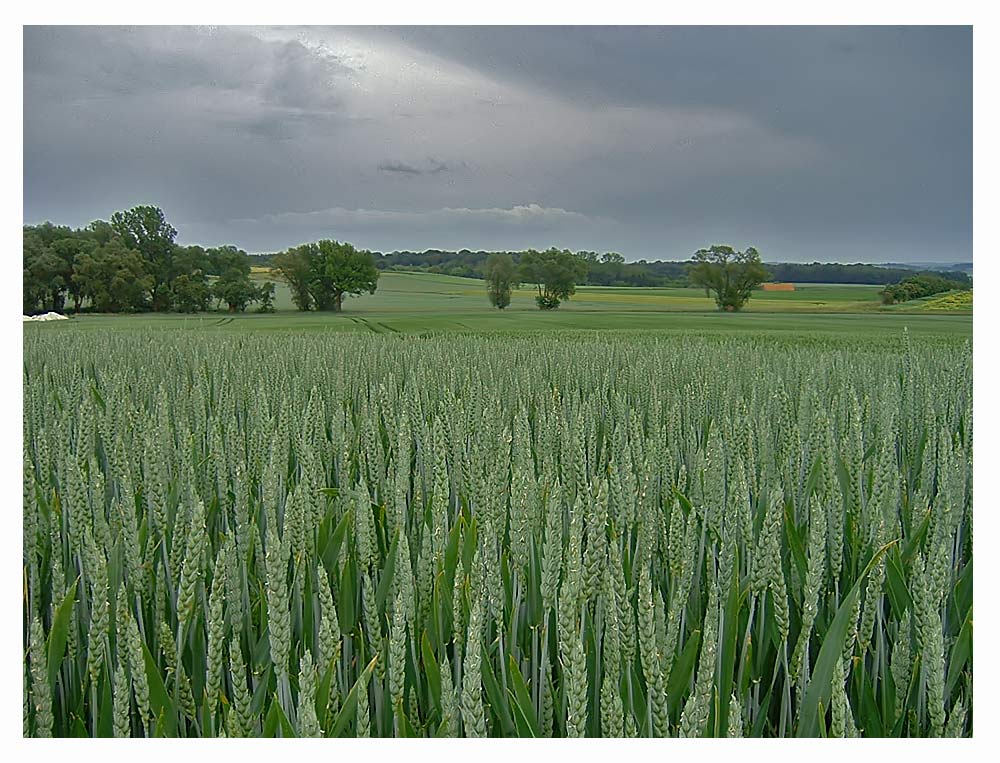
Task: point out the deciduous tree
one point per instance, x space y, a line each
69 249
43 275
321 274
555 272
145 229
729 274
265 295
233 285
113 278
501 279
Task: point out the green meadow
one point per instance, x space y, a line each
428 303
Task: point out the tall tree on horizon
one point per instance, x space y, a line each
145 229
555 273
322 273
730 274
501 279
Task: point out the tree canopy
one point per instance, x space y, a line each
501 279
919 286
729 274
146 230
555 272
233 285
321 274
131 263
113 277
45 274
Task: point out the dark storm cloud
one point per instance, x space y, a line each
811 143
892 108
430 167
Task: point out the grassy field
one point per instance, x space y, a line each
430 292
953 302
426 303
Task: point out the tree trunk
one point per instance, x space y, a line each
338 301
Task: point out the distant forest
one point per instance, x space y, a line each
610 269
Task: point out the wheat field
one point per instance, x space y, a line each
569 534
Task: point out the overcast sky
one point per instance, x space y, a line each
829 143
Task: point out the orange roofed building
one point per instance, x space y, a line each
778 286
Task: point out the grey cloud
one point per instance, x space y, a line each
811 143
403 167
430 167
303 79
118 63
523 225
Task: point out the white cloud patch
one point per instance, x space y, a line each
520 216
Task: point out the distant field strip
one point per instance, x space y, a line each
424 292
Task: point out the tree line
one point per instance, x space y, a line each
132 263
728 274
919 286
611 269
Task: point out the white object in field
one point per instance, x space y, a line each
50 316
